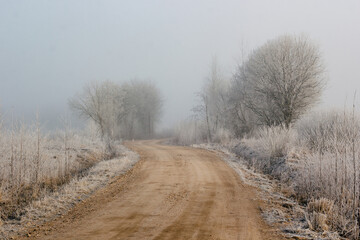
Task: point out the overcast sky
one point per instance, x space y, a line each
50 49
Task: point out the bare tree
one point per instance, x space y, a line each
103 104
213 100
241 119
281 80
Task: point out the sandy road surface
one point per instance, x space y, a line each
172 193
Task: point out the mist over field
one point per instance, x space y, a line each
174 119
50 49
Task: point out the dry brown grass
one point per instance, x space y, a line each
321 213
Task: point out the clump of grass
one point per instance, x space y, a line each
321 213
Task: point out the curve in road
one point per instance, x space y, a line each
173 192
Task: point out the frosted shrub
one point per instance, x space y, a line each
327 130
272 142
266 151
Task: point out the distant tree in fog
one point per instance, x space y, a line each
143 105
125 111
213 100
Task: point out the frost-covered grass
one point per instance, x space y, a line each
329 170
44 174
53 204
274 142
32 163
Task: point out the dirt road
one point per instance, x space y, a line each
172 193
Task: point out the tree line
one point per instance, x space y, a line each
276 84
120 111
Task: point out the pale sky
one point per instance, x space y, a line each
50 49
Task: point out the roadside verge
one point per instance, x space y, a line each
58 203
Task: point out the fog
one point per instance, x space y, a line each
50 49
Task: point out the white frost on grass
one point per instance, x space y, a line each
61 201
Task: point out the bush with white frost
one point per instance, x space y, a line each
272 142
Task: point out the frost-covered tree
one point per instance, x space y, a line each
213 100
281 80
101 102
